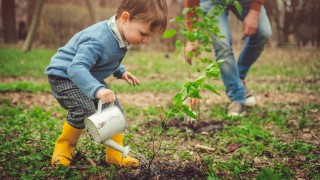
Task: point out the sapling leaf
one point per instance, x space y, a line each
197 24
177 19
211 88
210 66
185 10
185 109
193 92
207 49
204 60
198 49
175 111
199 12
190 54
200 80
178 45
191 36
169 33
213 72
184 32
226 2
183 91
220 61
170 115
238 7
177 99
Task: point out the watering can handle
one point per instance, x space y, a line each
100 106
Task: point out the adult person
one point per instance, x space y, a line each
256 33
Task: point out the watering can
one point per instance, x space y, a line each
105 124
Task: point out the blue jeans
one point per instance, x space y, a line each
231 71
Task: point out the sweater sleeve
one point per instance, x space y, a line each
119 72
256 5
79 69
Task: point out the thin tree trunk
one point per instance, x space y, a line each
31 10
91 11
318 36
34 24
9 21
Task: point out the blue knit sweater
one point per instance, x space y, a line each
90 56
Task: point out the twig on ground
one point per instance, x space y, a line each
160 112
198 146
200 158
91 162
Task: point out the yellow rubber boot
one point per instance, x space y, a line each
65 145
115 157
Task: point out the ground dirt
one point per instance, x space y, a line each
170 169
145 99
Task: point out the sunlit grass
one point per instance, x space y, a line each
15 63
270 133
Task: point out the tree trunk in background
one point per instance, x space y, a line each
9 21
318 36
30 13
315 21
34 24
102 3
91 11
274 12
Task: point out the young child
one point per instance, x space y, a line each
77 71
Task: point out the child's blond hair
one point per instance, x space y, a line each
153 11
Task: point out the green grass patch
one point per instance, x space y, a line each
270 132
15 63
150 86
28 137
288 63
24 87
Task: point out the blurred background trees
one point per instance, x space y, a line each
294 22
9 21
297 19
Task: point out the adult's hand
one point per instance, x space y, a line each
190 47
250 23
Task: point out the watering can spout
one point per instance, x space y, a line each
116 146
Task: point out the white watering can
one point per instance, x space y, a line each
105 124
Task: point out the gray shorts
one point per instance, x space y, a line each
71 98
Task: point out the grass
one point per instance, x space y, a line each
24 86
276 140
15 63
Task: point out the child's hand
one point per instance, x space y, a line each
106 95
131 79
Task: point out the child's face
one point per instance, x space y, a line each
134 31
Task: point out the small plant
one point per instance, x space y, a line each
278 171
200 32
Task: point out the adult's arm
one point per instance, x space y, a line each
250 22
190 17
256 5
